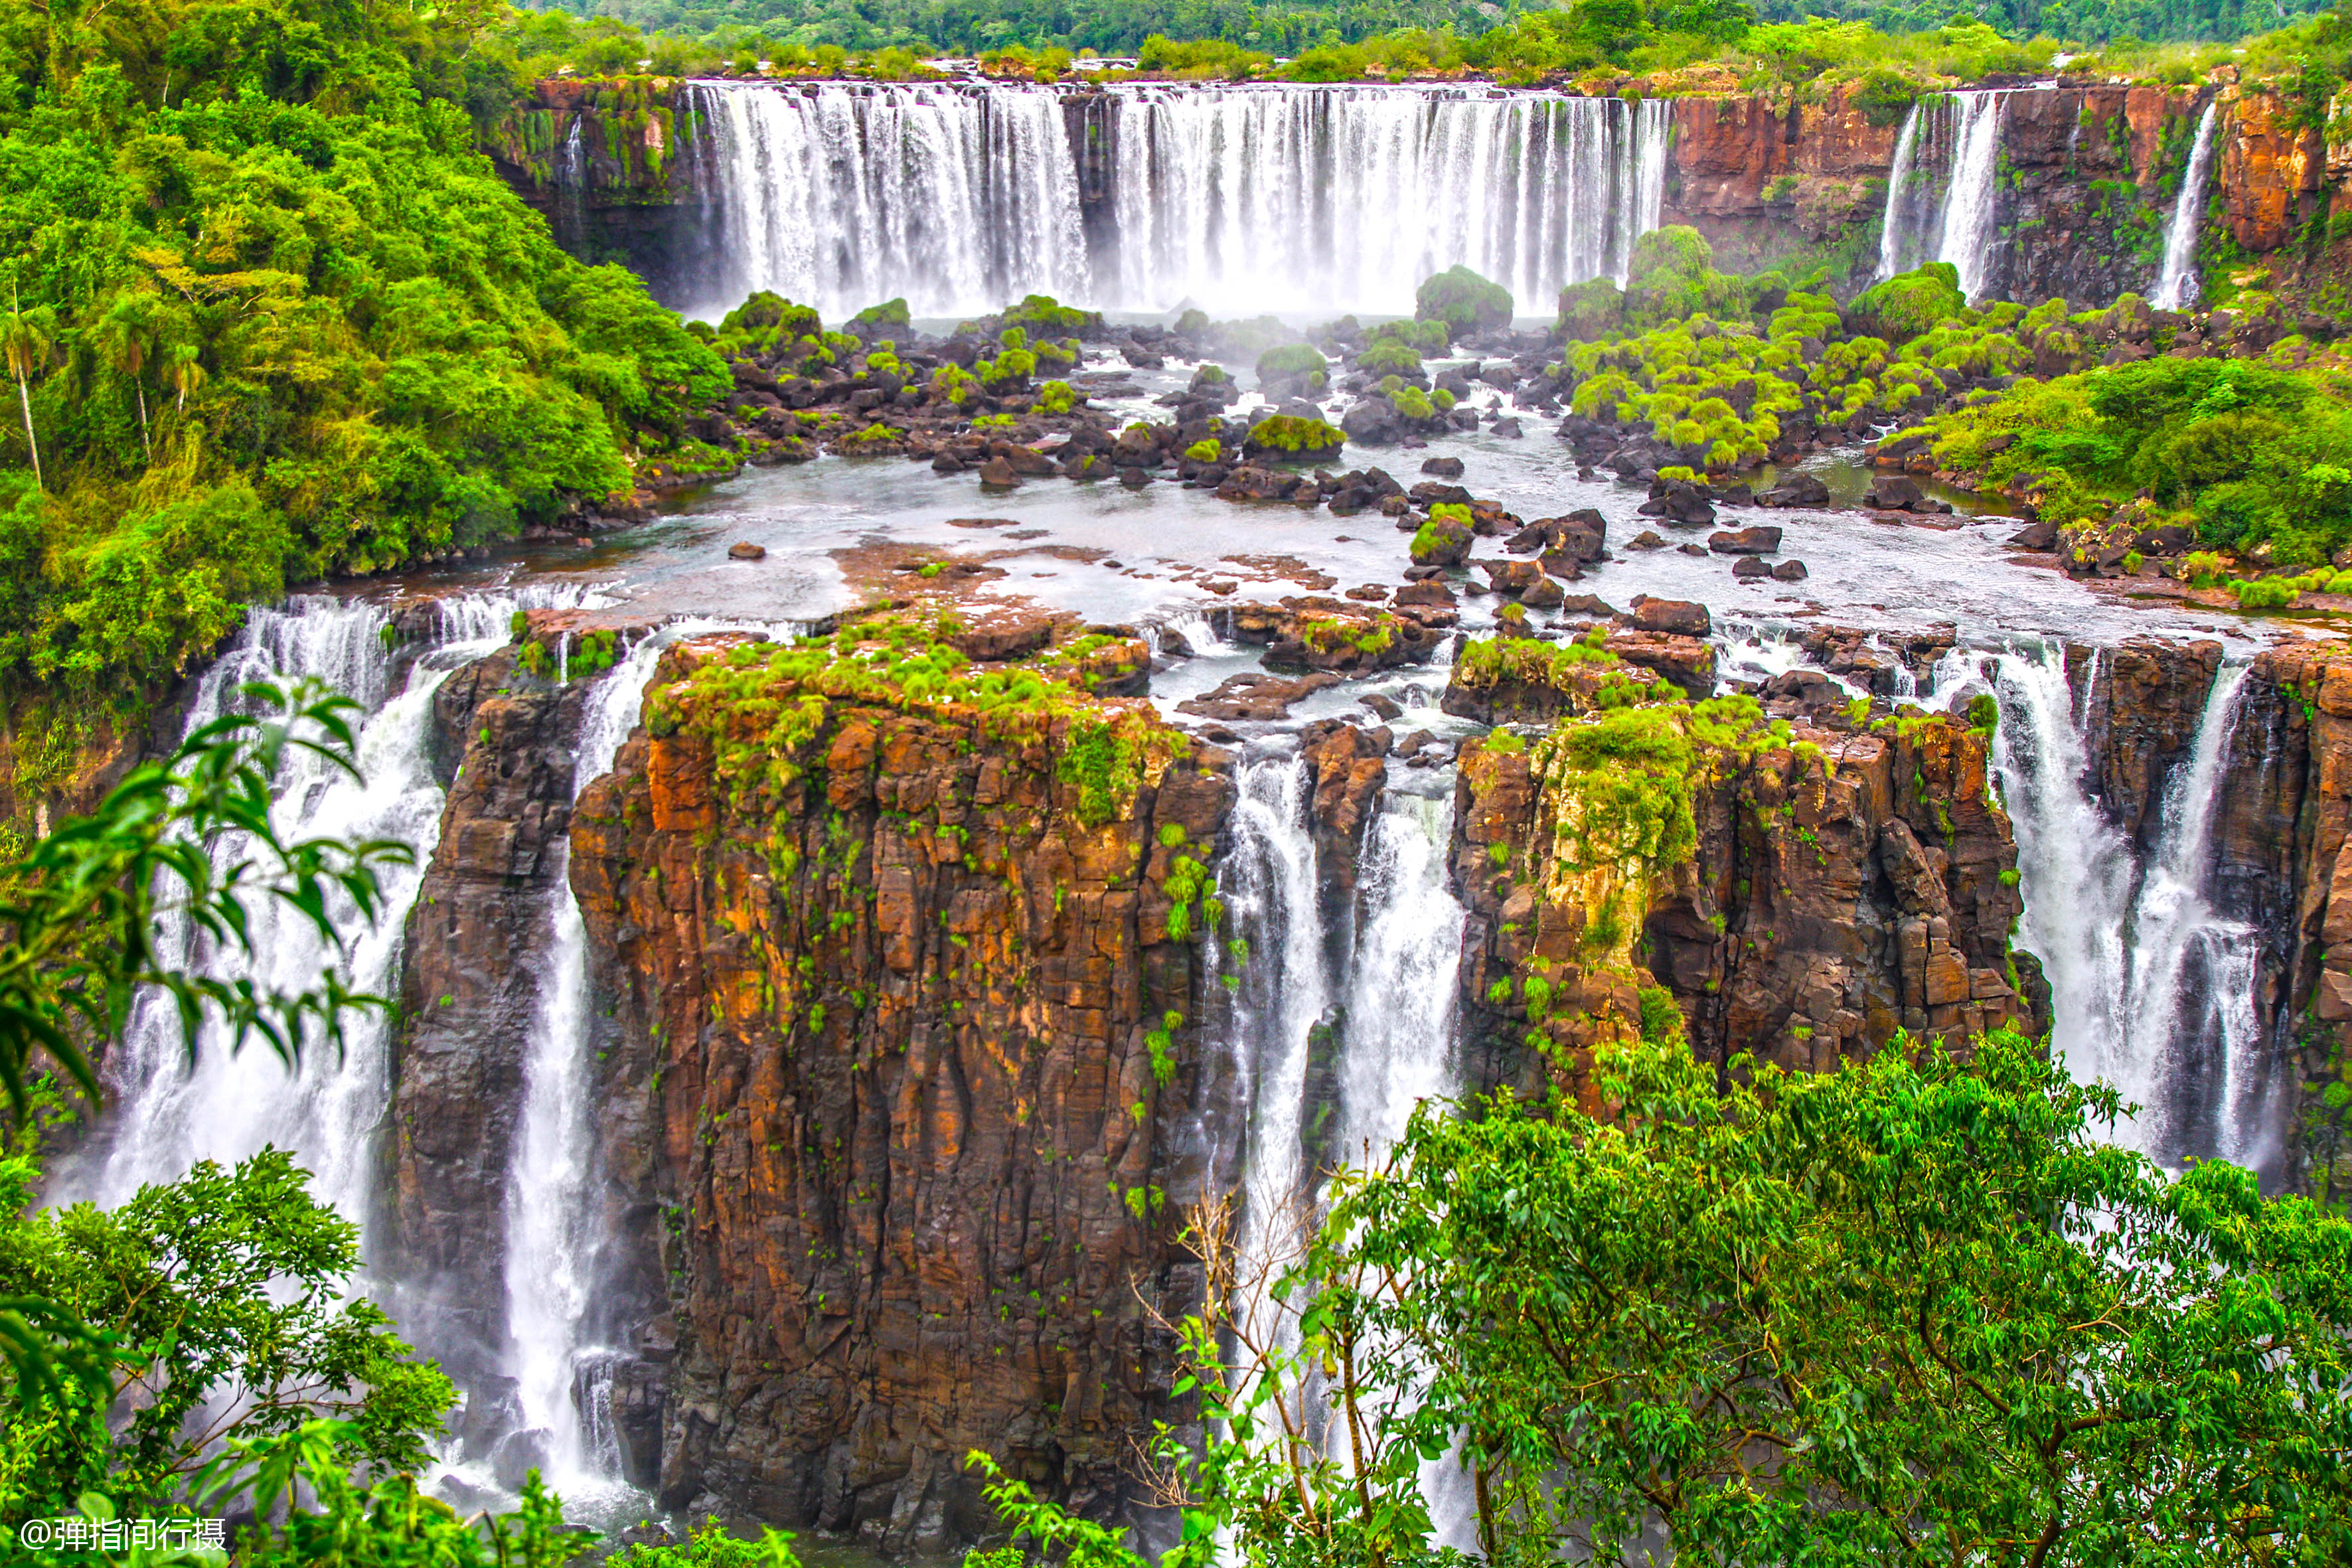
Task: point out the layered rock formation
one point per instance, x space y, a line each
1824 886
897 989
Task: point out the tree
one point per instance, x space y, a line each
26 339
126 339
192 834
1908 1312
1912 1312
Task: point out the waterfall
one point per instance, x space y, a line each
1968 202
1257 198
1239 198
1947 163
2175 283
1397 1041
552 1233
556 1239
1901 206
167 1115
2152 988
961 198
1268 880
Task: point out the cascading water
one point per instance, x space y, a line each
2176 281
1904 204
552 1240
1272 894
1943 194
2152 989
1968 235
1255 198
169 1115
1397 1038
959 197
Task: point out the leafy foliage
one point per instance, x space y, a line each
274 316
78 914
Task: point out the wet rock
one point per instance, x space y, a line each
747 551
1442 541
1587 604
1255 696
1257 484
1430 493
1791 570
1680 502
1679 616
1511 577
1543 594
1508 428
1893 492
2039 536
1687 661
1443 467
996 474
1748 568
1759 540
1381 707
1647 540
518 1454
1428 591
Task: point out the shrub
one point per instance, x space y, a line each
1463 300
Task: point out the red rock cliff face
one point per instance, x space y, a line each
880 1089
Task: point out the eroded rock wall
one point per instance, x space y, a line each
1843 885
880 1089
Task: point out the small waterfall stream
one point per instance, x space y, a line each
553 1248
2176 282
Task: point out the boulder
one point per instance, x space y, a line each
1797 489
1748 567
1543 594
1430 591
1679 617
996 474
747 551
2040 536
1511 577
1893 492
1791 570
1648 539
1429 493
1257 484
1442 541
1443 468
1371 423
1757 541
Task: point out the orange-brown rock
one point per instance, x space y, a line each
885 1081
1839 890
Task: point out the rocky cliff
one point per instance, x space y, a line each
897 987
1795 881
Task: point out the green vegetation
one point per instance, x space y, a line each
1993 1335
2255 458
287 322
1463 300
1883 48
1307 439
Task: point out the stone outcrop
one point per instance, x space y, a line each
2146 700
891 1025
1833 885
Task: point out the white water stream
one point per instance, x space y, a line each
2176 282
1943 194
2152 988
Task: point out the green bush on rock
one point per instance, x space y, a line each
1909 303
1463 300
1295 437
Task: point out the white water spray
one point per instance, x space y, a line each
167 1115
2176 282
1969 202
